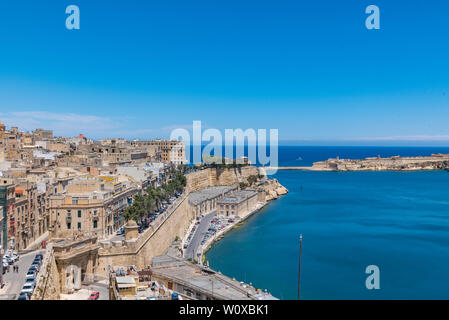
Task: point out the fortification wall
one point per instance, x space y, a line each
219 177
153 242
164 230
48 282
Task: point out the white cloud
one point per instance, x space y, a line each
63 124
60 117
72 124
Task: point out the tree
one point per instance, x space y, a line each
252 179
130 213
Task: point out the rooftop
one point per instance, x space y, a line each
204 280
238 197
197 197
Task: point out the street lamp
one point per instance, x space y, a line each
299 266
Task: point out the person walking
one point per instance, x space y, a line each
17 268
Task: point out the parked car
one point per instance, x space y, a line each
31 274
40 256
11 257
31 281
23 297
94 296
5 265
33 269
37 265
27 288
121 231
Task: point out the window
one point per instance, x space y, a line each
79 213
69 225
95 224
79 225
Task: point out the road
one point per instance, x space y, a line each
200 231
15 281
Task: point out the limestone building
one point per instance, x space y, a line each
239 204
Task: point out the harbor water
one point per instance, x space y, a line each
398 221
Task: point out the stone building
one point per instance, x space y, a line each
238 204
41 134
30 219
76 261
172 151
90 205
205 201
7 202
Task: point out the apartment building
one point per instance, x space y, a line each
170 150
7 200
90 206
30 219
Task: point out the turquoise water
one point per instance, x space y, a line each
398 221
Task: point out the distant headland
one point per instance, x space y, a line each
395 163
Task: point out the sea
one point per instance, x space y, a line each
396 221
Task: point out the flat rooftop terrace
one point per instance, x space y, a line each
204 280
200 196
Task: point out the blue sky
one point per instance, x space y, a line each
308 68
